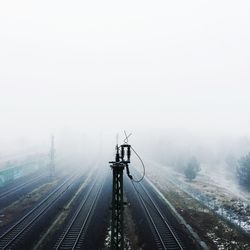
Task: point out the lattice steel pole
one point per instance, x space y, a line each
117 228
52 157
117 231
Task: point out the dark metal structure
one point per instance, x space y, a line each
52 157
117 229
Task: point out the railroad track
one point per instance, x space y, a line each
74 234
10 238
164 235
17 188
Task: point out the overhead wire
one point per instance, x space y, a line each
143 166
133 181
140 159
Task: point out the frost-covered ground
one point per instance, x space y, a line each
224 179
218 192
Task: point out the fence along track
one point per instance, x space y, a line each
73 236
164 236
16 232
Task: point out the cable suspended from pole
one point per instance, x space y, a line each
122 160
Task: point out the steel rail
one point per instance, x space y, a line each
64 235
83 211
19 187
152 216
162 217
9 236
152 222
88 215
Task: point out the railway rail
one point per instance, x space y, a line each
10 238
164 235
74 234
17 188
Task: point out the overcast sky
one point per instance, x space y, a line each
124 64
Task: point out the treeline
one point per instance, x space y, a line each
192 168
243 171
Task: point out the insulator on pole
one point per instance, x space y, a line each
122 159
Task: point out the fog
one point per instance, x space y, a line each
175 74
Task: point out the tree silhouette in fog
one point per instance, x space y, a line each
193 167
243 171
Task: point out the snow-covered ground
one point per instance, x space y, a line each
224 179
218 192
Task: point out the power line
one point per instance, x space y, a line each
143 166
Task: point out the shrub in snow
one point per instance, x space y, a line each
192 169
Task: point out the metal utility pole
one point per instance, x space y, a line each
117 229
52 157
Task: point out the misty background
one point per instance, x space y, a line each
175 74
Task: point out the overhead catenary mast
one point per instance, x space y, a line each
52 157
122 159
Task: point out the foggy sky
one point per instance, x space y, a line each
114 65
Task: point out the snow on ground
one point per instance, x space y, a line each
213 189
223 179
